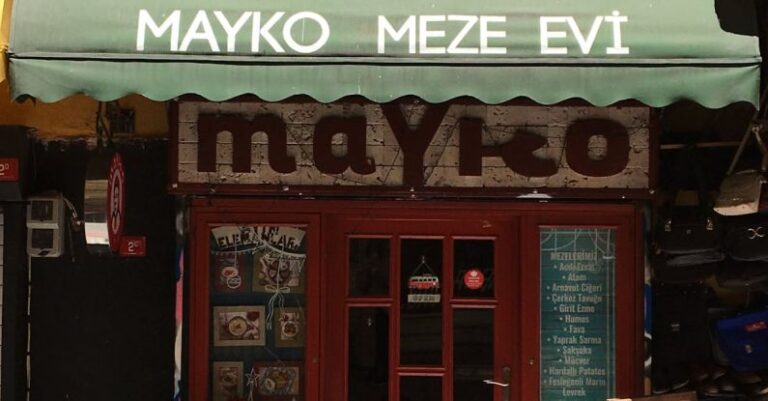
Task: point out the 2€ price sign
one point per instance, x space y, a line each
115 202
9 169
133 246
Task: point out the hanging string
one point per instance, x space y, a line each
421 265
277 288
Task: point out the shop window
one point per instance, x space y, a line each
258 312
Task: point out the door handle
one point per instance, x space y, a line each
505 375
500 384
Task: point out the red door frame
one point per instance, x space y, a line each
316 215
446 226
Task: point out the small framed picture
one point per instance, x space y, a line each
289 328
228 272
238 326
276 269
280 262
279 382
227 383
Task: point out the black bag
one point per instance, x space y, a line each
695 259
743 275
668 270
746 238
680 333
688 229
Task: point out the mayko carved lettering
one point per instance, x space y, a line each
518 153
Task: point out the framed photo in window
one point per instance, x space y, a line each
289 328
279 381
227 381
238 326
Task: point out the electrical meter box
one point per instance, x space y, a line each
45 226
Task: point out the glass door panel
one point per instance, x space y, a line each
258 311
473 268
473 352
421 308
369 267
368 356
421 388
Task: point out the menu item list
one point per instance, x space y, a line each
577 313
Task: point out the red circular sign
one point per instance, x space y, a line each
115 202
474 279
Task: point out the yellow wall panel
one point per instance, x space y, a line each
76 116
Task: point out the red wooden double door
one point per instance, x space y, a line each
386 301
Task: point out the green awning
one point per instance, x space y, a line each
602 51
5 24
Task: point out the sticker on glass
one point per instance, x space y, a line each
474 279
423 285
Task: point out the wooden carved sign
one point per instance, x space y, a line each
251 146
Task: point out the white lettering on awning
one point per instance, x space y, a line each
421 34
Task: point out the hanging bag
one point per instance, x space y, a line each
746 238
740 192
668 270
742 275
680 325
687 230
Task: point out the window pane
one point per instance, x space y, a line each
421 317
472 354
257 312
368 267
368 354
473 268
417 388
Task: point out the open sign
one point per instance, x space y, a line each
425 282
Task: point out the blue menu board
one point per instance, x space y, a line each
577 313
